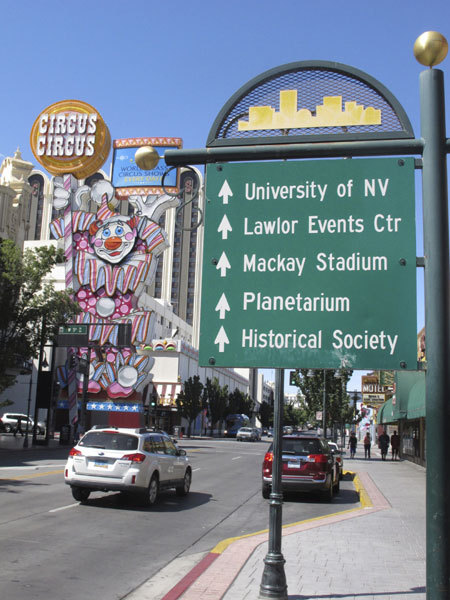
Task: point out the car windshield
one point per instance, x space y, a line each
301 446
109 440
245 429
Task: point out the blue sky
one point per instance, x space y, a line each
166 68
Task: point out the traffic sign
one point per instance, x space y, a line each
73 334
73 329
310 264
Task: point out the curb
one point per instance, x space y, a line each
218 581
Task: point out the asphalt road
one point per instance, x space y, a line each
53 547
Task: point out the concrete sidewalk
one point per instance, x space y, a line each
374 552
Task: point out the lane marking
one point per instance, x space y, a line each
64 507
236 458
34 467
32 475
197 469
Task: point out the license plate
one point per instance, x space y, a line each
101 463
293 464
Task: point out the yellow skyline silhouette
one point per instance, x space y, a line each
328 114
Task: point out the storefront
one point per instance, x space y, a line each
406 411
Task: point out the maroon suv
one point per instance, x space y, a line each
308 466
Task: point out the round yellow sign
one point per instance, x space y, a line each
70 137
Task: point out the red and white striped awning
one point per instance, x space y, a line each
167 392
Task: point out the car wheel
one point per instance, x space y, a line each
183 490
8 428
80 494
266 491
152 491
336 486
327 495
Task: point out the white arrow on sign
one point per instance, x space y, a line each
225 192
223 265
222 306
221 339
224 227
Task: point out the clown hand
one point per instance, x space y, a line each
61 196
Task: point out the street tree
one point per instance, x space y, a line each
294 415
239 403
31 310
337 408
216 397
266 414
190 400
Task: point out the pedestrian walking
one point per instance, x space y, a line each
18 427
367 442
383 442
352 443
395 445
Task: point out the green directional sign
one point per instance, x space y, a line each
310 264
73 329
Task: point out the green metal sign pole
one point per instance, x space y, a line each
437 326
273 582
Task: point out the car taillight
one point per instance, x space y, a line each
74 452
136 457
268 457
318 458
267 464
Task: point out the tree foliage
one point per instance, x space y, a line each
239 403
266 414
338 410
31 310
216 398
190 400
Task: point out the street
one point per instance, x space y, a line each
54 547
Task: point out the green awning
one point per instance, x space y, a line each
416 400
386 413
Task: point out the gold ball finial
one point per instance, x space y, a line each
146 158
430 48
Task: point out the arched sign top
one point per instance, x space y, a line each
310 101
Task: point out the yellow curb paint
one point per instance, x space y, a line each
32 475
363 498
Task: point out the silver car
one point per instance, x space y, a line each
8 422
249 434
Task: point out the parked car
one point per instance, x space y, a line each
338 455
9 422
249 434
308 465
138 462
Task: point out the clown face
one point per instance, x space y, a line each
114 239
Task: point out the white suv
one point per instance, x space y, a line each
132 461
8 422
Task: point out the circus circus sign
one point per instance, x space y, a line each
70 137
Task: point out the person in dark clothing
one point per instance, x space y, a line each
352 443
395 445
383 442
367 443
18 427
